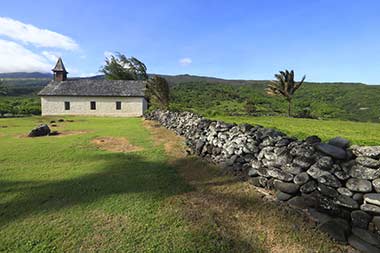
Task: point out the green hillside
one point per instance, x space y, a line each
214 96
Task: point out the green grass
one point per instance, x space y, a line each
359 133
63 194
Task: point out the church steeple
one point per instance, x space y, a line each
60 73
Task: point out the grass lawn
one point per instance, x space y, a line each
359 133
64 194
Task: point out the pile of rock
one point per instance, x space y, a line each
336 184
41 130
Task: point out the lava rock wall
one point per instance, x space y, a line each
337 184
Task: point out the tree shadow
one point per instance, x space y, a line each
122 173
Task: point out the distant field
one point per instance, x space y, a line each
357 132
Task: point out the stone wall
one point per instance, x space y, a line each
334 182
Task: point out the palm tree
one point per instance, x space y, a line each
284 86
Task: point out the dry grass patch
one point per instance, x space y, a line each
240 214
115 144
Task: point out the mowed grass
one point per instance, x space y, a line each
63 194
359 133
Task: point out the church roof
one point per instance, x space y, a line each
95 87
59 67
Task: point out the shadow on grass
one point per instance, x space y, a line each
123 174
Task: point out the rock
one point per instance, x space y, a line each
54 133
255 164
345 192
263 172
61 120
368 162
367 236
279 174
199 146
367 151
301 178
342 175
252 172
359 171
301 162
41 130
372 198
346 202
337 229
327 191
325 163
289 188
359 185
376 184
358 197
302 202
263 181
329 180
339 142
360 219
370 208
333 151
361 245
255 181
376 222
282 196
316 172
292 169
319 217
309 187
313 139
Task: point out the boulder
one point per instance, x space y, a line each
359 185
339 142
313 139
333 151
302 202
41 130
327 191
282 196
370 208
367 151
279 174
301 178
368 162
361 245
358 197
372 198
289 188
346 202
367 236
325 163
360 219
337 229
252 172
319 217
329 180
316 172
359 171
376 184
309 187
345 192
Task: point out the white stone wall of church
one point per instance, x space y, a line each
105 106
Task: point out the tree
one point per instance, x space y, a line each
284 86
250 107
3 88
158 91
120 67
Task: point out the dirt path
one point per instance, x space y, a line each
238 213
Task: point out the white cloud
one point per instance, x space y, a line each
30 34
185 61
16 58
51 56
88 74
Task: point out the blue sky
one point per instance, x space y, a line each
328 40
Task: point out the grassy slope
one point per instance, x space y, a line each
357 132
63 194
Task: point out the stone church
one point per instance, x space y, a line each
89 96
